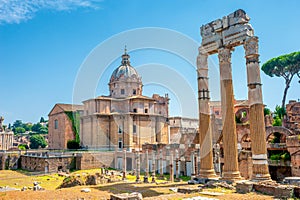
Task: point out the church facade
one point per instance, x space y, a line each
125 118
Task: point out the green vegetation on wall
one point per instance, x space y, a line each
75 119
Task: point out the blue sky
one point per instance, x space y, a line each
43 46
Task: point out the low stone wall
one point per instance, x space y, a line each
95 160
9 160
47 164
276 191
270 188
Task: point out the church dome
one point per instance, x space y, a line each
125 70
125 81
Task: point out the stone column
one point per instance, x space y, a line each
138 180
171 168
177 163
124 164
205 135
161 172
153 167
231 170
257 124
147 168
193 165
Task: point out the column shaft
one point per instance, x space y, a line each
205 135
257 123
231 171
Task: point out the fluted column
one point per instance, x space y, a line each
257 124
231 170
205 135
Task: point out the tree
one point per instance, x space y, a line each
19 130
279 112
267 111
42 120
23 147
17 123
43 130
27 126
286 66
36 127
37 141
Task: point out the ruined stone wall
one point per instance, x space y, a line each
95 160
47 164
293 116
293 146
9 160
245 164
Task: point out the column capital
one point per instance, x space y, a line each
251 46
224 55
202 60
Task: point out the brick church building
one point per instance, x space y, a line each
123 119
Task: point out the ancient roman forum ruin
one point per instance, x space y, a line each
222 36
6 137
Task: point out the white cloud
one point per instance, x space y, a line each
16 11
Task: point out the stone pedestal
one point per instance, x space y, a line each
231 171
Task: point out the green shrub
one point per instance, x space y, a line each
275 157
73 144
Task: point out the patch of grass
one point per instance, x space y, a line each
17 179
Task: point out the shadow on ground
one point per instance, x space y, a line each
147 190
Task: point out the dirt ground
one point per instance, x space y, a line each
17 179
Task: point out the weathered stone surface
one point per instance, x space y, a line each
222 184
127 196
244 187
188 190
86 190
276 190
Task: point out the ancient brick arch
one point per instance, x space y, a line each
242 114
279 129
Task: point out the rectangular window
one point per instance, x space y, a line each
135 110
120 143
134 91
122 91
146 110
56 124
120 129
134 129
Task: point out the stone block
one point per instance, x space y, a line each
189 190
126 196
244 187
276 191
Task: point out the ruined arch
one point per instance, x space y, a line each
279 129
